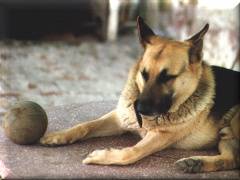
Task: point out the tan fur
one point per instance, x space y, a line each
186 125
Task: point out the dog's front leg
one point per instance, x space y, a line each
152 142
105 126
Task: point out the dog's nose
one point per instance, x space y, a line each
148 107
145 108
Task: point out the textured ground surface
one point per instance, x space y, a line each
19 161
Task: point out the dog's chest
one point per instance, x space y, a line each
204 135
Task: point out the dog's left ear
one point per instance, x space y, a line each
144 32
199 36
196 43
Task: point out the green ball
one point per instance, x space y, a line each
25 122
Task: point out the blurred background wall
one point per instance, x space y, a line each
175 19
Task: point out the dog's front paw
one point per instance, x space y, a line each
57 139
190 165
105 157
98 157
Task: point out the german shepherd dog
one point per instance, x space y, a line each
173 99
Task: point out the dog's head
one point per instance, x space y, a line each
169 71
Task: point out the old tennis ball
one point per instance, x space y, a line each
25 122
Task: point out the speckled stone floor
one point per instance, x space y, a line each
21 161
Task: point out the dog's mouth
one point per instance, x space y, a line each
138 114
148 110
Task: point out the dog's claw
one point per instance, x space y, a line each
189 165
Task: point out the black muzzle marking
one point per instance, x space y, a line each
139 118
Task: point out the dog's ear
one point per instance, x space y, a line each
144 32
196 43
199 36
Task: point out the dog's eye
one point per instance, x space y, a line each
163 77
145 75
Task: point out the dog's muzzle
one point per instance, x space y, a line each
148 108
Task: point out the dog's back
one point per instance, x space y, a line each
226 91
